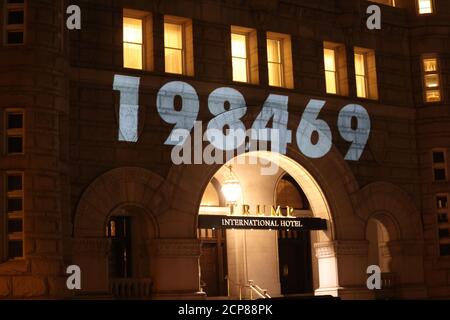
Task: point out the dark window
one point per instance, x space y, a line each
438 157
15 121
16 17
120 260
15 183
15 37
440 175
443 218
15 145
15 226
442 203
15 249
444 233
445 249
15 205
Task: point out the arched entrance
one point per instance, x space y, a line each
279 260
340 254
115 230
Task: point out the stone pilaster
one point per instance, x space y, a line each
176 269
91 255
342 269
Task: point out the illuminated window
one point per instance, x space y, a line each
361 75
14 210
425 6
14 22
275 62
330 70
431 79
14 132
137 40
439 165
279 60
335 67
178 45
366 74
132 43
244 55
240 57
173 47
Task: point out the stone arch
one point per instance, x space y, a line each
120 187
128 191
328 184
394 206
331 173
402 255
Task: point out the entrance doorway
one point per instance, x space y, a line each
213 262
294 247
294 251
279 261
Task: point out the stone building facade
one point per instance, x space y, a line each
67 171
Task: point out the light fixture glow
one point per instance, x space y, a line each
231 189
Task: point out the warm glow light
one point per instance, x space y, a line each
274 52
430 65
231 189
360 74
433 96
173 48
239 57
132 43
431 80
425 6
330 70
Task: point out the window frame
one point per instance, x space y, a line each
286 58
14 132
433 8
335 72
14 27
426 73
247 54
365 76
187 52
442 225
280 64
182 50
16 215
443 165
147 38
371 73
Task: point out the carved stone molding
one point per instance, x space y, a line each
402 248
341 248
178 248
91 246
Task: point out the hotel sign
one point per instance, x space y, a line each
260 223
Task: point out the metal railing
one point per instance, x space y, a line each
253 289
388 286
131 288
262 293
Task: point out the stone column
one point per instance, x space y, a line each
176 270
342 269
